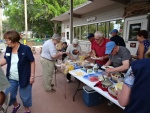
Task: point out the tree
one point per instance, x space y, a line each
40 13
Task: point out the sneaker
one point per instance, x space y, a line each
15 109
52 91
52 85
27 112
69 80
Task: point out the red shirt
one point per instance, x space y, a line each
100 51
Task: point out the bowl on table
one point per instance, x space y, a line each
112 90
106 83
116 77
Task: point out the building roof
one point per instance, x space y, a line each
84 8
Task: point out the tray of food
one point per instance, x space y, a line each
117 77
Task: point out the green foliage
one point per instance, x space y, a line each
40 13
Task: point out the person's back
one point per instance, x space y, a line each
118 40
48 49
140 94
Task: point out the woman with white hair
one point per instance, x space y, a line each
73 52
99 48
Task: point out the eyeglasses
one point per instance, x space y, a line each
97 39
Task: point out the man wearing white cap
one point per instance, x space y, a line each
73 51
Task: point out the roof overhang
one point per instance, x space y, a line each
87 7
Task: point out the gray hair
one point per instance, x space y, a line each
56 36
99 33
75 41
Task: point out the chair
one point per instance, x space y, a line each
6 104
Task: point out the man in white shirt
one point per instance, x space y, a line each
73 51
48 56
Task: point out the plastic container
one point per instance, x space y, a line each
93 78
91 97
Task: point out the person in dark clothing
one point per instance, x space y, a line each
135 92
116 38
64 48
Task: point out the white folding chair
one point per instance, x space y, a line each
6 104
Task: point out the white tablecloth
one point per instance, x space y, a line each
91 84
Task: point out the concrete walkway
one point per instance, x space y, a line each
44 102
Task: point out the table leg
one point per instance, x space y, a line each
78 89
65 86
55 76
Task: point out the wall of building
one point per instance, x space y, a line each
104 14
111 12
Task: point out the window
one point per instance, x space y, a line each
102 28
77 33
107 30
81 32
84 32
92 28
68 35
117 24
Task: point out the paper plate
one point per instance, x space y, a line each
97 58
105 67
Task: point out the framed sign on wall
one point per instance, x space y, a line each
133 30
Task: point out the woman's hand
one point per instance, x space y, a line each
32 80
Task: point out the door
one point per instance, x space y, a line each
132 26
67 35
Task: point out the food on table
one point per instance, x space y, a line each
106 83
93 79
68 67
105 67
88 67
115 76
78 73
112 90
81 58
79 63
119 86
101 77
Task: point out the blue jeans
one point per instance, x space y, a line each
25 93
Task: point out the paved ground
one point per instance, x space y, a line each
44 102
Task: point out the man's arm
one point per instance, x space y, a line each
108 63
3 61
125 66
58 54
93 53
123 95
